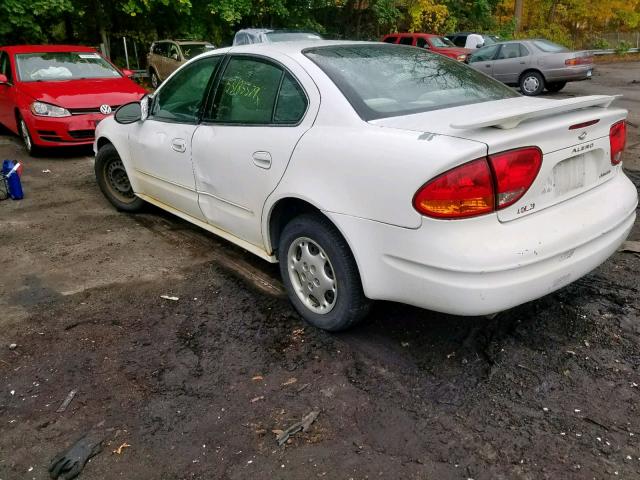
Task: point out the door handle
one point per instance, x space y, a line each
487 65
179 145
262 159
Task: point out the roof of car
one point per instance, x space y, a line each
288 48
184 42
47 48
410 34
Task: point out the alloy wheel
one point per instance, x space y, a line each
312 275
26 138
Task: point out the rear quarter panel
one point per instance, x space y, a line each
369 171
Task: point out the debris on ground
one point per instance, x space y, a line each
70 463
257 378
46 170
63 406
170 297
283 435
120 449
13 346
291 381
630 246
257 399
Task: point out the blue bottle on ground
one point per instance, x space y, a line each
10 173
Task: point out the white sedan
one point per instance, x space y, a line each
374 171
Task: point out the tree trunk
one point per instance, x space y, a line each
519 7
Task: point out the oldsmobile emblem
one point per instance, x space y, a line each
582 136
105 109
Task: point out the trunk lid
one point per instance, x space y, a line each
574 160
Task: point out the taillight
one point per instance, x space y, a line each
465 191
578 61
515 171
481 186
617 140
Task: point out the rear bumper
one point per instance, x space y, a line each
62 132
569 73
481 266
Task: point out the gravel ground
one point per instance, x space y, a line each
197 386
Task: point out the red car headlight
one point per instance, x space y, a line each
42 109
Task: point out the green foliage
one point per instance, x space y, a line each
600 44
623 47
30 21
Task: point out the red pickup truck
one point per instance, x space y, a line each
429 41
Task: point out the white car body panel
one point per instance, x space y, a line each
363 175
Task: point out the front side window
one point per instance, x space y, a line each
257 92
509 50
190 50
58 66
173 52
390 40
383 81
421 42
180 98
5 66
484 54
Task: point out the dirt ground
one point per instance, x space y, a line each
197 386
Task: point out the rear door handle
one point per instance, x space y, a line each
262 159
179 145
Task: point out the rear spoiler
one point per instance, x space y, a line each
512 116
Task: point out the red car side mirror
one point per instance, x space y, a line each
128 73
4 80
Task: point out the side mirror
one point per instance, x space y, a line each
4 80
128 113
174 56
128 73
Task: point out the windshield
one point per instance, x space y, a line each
55 66
387 80
292 36
441 42
190 50
547 46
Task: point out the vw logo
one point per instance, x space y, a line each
582 136
105 109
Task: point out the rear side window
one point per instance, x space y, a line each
406 41
390 40
509 50
384 81
257 92
549 47
180 98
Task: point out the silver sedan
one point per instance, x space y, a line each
533 65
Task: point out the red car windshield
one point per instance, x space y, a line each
441 42
57 66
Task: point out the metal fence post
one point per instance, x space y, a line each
126 54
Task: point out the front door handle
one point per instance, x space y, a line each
262 159
179 145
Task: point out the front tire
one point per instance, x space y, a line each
320 274
27 139
531 83
114 181
155 81
555 86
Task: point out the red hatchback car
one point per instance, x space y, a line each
435 43
54 95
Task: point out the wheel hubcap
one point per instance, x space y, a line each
26 138
154 80
118 180
312 275
531 84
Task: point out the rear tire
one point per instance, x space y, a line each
320 274
114 181
531 83
555 86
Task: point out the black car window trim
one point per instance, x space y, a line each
205 95
4 56
213 93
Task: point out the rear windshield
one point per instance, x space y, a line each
388 80
292 36
190 50
56 66
441 42
550 47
